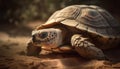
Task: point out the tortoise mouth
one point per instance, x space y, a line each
47 42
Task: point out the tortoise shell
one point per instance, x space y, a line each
90 18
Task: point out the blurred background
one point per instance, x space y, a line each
19 17
23 11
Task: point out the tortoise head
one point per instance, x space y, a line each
50 37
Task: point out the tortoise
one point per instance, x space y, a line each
85 29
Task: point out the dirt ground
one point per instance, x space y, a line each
13 41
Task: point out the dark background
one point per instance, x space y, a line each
23 11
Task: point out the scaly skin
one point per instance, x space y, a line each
85 48
32 49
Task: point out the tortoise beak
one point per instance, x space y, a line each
35 40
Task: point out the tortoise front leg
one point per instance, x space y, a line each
32 49
85 48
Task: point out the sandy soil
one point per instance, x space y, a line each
13 41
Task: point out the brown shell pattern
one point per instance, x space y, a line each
90 18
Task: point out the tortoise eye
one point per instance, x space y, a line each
43 35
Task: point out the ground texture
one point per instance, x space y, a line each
13 41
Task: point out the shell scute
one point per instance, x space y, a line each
91 18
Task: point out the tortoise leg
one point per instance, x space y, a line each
85 48
32 50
